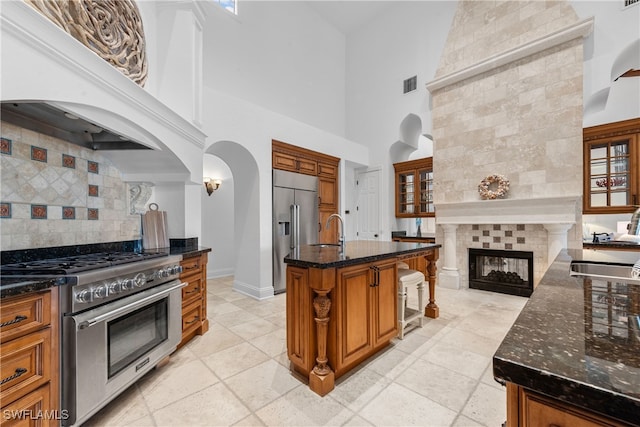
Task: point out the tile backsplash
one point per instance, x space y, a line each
54 193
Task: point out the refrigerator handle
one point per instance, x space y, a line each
295 226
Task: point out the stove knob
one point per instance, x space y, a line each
101 291
176 269
84 295
127 284
140 280
164 272
114 287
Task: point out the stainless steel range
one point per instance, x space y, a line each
120 316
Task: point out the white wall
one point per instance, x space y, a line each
404 41
218 219
281 56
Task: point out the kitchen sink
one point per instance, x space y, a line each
604 271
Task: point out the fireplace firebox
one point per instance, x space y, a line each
507 272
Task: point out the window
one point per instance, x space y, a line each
414 188
612 167
230 5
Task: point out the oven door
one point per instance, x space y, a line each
115 344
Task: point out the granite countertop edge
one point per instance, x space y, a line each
330 258
512 361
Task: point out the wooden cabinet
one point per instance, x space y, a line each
294 163
29 358
410 239
414 188
194 297
526 408
366 312
611 176
295 159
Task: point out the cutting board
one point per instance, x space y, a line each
154 228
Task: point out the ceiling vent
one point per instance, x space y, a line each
410 84
630 2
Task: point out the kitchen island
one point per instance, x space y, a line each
573 355
342 304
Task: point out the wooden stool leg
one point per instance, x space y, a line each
420 294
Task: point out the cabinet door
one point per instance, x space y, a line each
327 193
327 169
353 315
306 166
425 191
405 193
284 161
301 332
384 300
330 234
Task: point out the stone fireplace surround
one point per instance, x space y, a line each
537 225
507 99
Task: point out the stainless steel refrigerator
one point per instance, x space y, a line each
295 219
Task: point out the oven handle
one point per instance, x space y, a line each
106 313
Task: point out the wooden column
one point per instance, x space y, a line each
322 377
431 310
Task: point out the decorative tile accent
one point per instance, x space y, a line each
475 238
92 167
93 190
5 146
520 227
68 212
485 232
68 161
485 246
38 211
38 154
496 227
508 233
5 210
92 214
496 240
475 227
520 240
508 246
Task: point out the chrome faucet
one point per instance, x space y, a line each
634 226
341 239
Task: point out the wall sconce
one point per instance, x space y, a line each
211 184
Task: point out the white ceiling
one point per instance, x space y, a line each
348 15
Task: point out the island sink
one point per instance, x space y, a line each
603 271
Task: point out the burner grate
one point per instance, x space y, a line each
76 264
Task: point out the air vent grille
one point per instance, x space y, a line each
410 84
630 2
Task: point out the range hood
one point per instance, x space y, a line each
49 120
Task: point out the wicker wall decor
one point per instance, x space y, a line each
110 28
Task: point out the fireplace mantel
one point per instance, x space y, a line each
548 210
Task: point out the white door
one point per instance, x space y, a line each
368 204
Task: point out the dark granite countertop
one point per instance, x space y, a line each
578 340
189 251
12 286
356 252
612 244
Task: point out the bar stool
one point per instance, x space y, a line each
406 278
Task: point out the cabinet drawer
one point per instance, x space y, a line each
25 364
190 266
33 409
22 315
193 291
284 161
191 317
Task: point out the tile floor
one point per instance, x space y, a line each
237 374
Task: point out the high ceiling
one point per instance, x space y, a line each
348 16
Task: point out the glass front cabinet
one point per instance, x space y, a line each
611 167
414 188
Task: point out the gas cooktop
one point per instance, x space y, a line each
76 264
